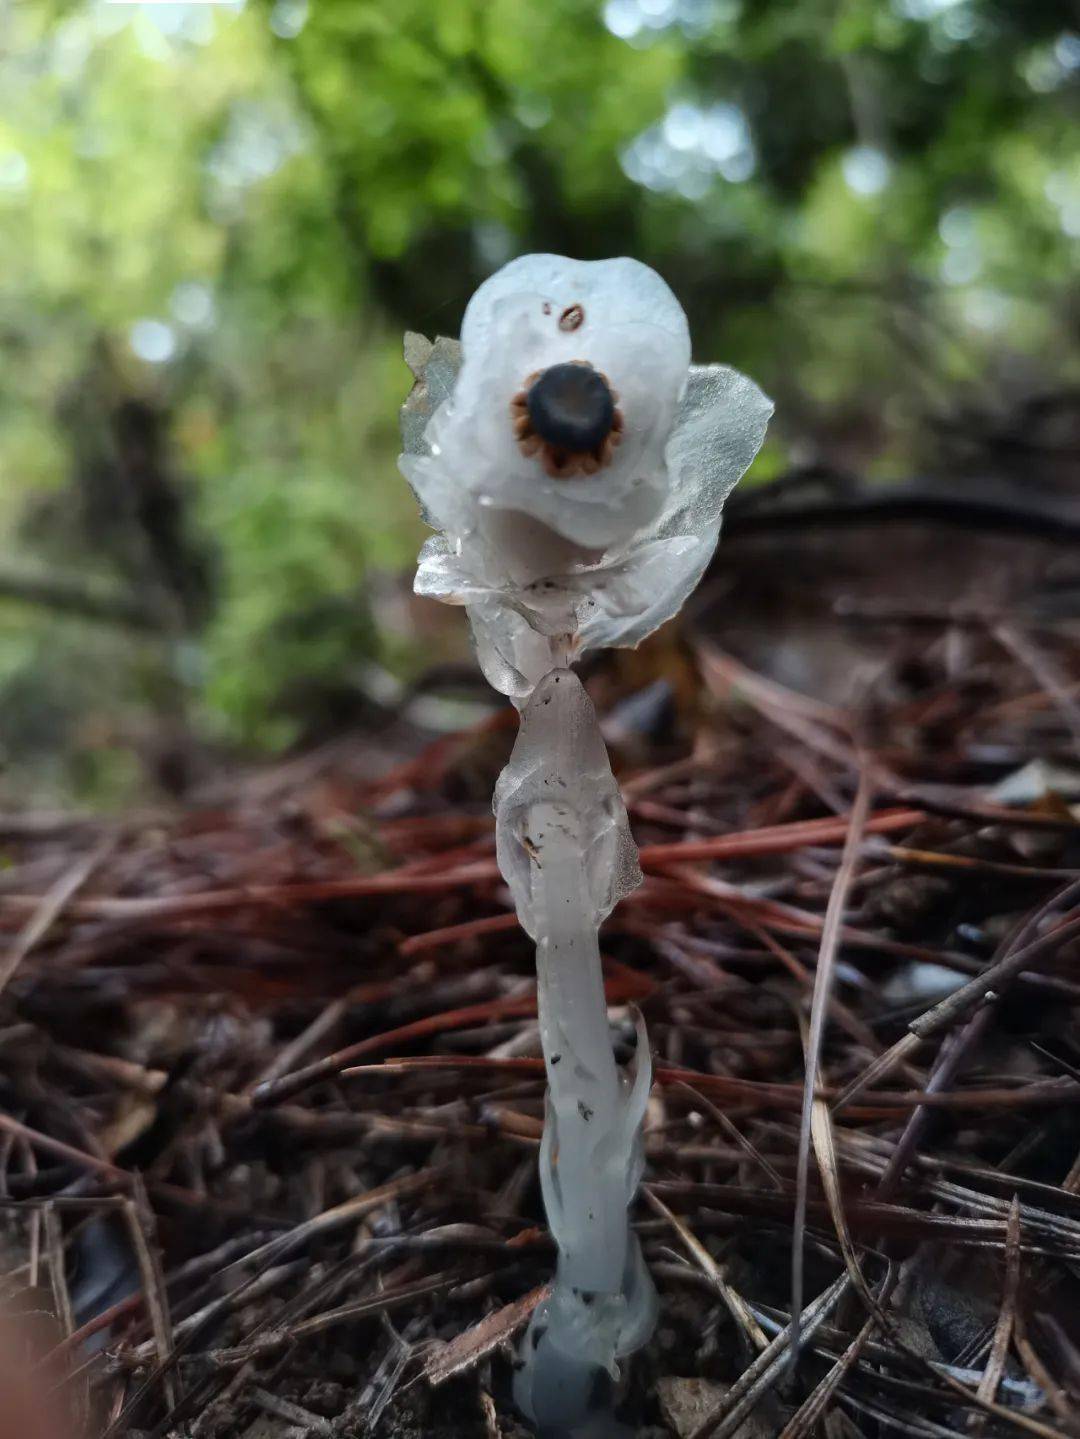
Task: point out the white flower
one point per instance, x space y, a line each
574 461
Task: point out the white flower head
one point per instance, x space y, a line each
573 459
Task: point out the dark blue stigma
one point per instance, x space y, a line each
571 408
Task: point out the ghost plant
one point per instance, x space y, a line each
575 465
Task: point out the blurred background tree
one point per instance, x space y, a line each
215 222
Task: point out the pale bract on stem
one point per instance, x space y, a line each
575 465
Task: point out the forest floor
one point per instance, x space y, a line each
270 1086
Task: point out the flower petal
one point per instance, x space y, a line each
719 429
611 292
551 568
442 573
631 328
435 366
634 596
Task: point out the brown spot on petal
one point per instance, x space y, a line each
572 318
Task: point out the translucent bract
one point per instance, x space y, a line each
559 737
548 568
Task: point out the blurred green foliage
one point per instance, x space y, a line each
216 220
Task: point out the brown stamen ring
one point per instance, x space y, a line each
567 417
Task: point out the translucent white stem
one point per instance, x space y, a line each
564 846
585 1098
